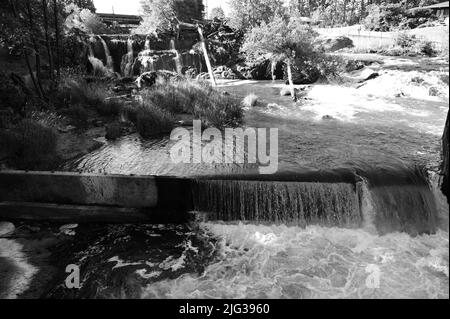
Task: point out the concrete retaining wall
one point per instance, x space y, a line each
92 197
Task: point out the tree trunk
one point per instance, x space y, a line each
445 162
30 70
205 53
273 66
58 61
47 39
36 49
291 82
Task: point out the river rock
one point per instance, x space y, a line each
433 91
68 229
6 229
286 91
332 44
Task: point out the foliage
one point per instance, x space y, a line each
217 13
198 99
83 21
75 95
149 119
246 14
405 40
30 146
11 96
427 48
281 40
410 44
161 15
223 43
388 16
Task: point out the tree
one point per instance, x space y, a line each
246 14
288 41
445 160
217 13
162 15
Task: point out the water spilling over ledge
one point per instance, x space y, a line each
385 202
133 55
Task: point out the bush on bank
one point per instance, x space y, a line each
30 145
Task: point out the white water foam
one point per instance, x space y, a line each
21 272
316 262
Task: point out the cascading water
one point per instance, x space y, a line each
353 221
177 58
291 203
97 65
392 201
127 63
109 59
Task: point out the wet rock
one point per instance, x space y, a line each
354 65
66 129
433 91
68 229
97 123
147 79
259 69
332 44
367 74
6 229
327 118
286 91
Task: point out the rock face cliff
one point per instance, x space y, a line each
445 161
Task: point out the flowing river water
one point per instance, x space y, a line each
384 235
236 254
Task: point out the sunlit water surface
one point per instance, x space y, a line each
218 260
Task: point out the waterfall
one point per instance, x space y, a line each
177 56
291 203
127 63
98 67
109 59
386 204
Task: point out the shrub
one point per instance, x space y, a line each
111 107
77 113
77 91
30 146
405 40
196 98
113 131
11 96
74 91
427 48
152 121
219 111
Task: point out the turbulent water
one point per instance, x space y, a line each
279 237
316 262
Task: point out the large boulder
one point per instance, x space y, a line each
302 75
332 44
6 229
260 69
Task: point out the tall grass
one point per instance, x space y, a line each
30 146
77 92
198 99
149 119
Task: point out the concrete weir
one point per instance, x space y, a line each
76 197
